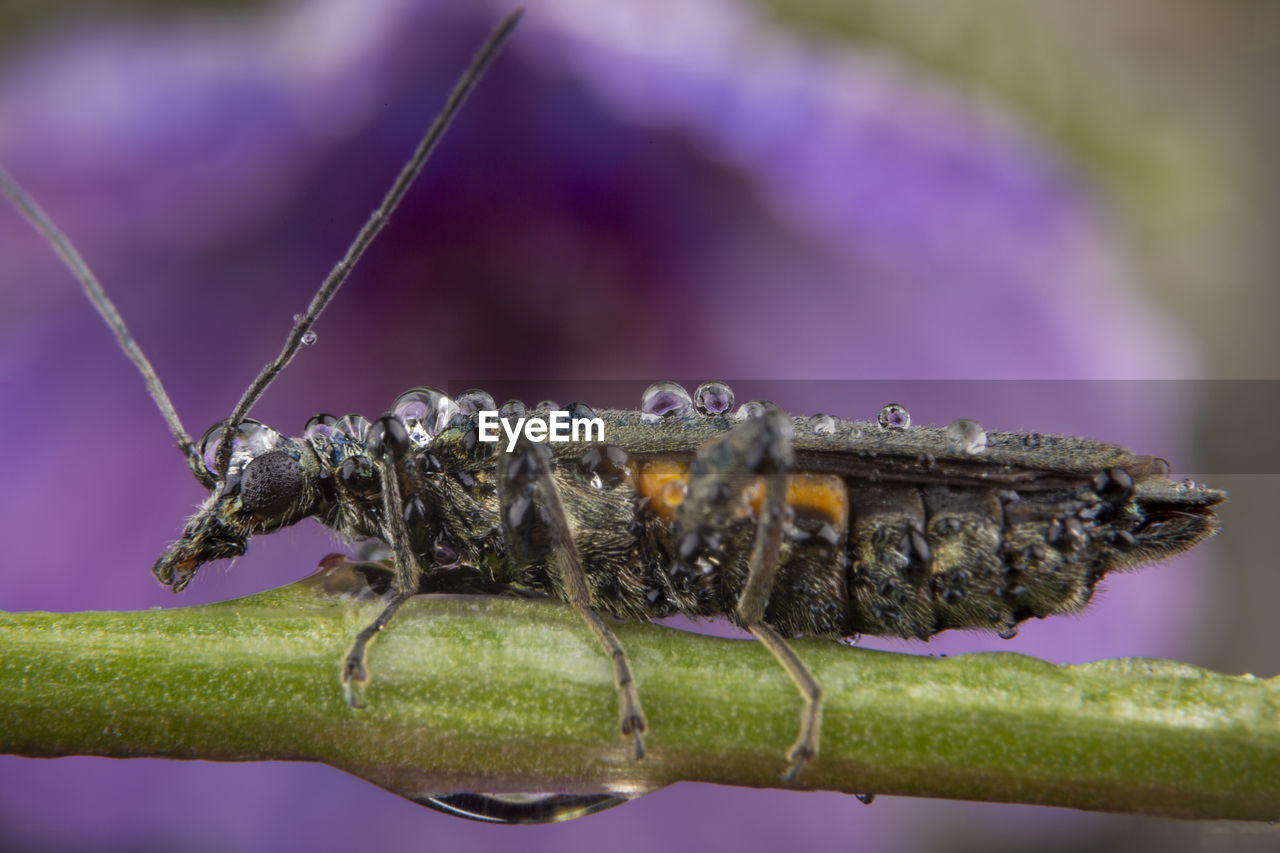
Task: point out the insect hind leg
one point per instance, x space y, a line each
759 448
528 497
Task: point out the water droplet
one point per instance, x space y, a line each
252 439
894 416
966 436
580 411
1008 633
751 409
426 412
851 640
822 424
515 809
665 400
547 406
309 337
865 799
513 410
475 400
356 427
319 425
713 398
1186 487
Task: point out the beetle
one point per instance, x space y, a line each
787 526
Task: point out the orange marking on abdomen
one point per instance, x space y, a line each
665 482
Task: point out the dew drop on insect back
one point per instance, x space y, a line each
475 400
665 400
547 406
713 398
319 425
966 436
751 409
512 409
252 438
426 413
355 427
894 416
822 424
580 411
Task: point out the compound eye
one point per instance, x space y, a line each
271 483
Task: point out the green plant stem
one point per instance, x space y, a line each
488 694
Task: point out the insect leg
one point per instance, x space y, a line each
529 498
759 447
388 440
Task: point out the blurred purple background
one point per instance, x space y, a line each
636 192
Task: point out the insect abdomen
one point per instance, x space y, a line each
912 559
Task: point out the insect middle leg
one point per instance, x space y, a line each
387 438
528 498
759 448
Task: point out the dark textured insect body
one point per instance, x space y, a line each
787 526
888 531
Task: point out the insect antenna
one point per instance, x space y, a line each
98 297
483 58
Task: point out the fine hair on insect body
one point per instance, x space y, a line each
689 504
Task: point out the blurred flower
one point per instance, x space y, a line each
637 191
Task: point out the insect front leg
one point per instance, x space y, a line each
388 442
758 449
529 499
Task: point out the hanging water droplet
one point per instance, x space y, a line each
966 436
1008 633
865 799
475 400
521 809
851 640
665 400
822 424
309 337
713 398
893 416
426 412
423 788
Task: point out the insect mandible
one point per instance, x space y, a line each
786 526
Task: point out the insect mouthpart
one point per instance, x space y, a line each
207 538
